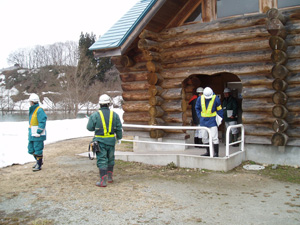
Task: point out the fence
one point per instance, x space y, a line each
210 144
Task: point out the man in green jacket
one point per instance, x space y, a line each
230 107
36 131
107 127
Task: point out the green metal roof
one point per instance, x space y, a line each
120 31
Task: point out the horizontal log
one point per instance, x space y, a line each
293 142
256 79
135 76
257 117
238 57
173 117
149 45
293 90
151 56
171 83
293 52
293 65
293 118
237 69
276 28
153 67
141 67
280 97
155 100
293 78
156 111
293 104
216 48
279 111
277 43
136 117
280 125
293 131
265 140
155 78
279 139
134 86
279 57
258 129
155 90
135 95
279 85
258 92
177 131
136 106
129 133
137 130
216 37
276 14
293 27
172 106
171 94
257 105
292 39
217 25
126 61
280 71
147 34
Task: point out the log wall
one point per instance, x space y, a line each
261 50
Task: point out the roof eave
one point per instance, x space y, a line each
128 40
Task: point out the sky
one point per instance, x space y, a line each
14 137
27 23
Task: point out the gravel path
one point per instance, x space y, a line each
64 192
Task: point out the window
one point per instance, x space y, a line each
227 8
196 15
288 3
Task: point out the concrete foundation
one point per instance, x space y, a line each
287 155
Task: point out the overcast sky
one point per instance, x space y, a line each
26 23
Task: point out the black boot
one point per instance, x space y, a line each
216 150
110 170
35 162
196 141
207 152
103 178
234 140
39 164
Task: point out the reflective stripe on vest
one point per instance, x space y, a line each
106 134
34 121
207 112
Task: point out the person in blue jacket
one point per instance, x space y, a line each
107 128
36 131
208 106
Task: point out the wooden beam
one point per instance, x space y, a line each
209 10
265 5
184 13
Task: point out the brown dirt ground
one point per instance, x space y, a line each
64 192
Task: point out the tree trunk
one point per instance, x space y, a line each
174 93
156 121
153 67
257 117
148 45
135 76
136 117
126 61
156 111
276 28
135 86
172 106
157 133
279 57
151 56
280 71
277 43
171 83
275 14
257 105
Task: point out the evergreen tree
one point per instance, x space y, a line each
102 65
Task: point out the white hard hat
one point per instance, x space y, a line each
104 99
34 98
208 93
227 90
199 90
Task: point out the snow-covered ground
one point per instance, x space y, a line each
14 137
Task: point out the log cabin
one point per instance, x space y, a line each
165 49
